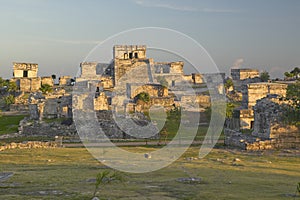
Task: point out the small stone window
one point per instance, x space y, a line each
109 100
130 55
251 124
25 73
173 83
166 69
136 55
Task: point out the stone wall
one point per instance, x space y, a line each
154 90
29 84
48 80
88 69
252 143
19 107
51 129
111 128
29 145
255 91
188 78
137 69
65 80
236 139
202 100
240 84
197 78
241 74
246 118
106 82
100 102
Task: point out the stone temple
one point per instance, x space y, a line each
130 73
115 88
27 79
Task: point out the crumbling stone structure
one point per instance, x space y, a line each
251 93
25 76
41 107
270 131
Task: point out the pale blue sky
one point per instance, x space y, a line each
58 34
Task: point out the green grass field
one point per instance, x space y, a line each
9 124
68 173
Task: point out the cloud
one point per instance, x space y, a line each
209 10
238 63
165 5
172 6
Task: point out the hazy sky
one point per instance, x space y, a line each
58 34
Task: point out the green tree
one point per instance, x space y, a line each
46 88
2 82
288 75
12 87
9 99
264 76
292 113
293 91
295 72
228 84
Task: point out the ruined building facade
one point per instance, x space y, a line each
251 93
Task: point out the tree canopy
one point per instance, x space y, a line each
295 73
264 76
293 111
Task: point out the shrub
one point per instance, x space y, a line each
46 88
145 97
10 99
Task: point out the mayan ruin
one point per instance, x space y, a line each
149 99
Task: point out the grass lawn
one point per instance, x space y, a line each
69 173
9 124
